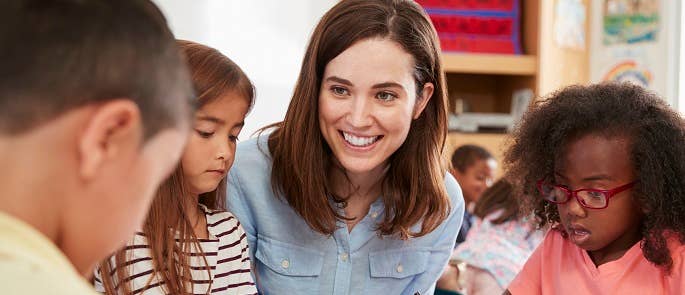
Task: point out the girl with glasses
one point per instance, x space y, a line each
604 165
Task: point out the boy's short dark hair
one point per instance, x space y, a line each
466 155
57 55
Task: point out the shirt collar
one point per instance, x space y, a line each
212 219
22 241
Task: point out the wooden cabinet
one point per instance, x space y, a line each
486 82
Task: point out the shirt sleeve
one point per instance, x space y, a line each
246 281
424 283
528 280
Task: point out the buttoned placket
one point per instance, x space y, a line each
349 242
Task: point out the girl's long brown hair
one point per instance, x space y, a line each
168 230
413 187
500 196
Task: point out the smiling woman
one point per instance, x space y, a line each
349 194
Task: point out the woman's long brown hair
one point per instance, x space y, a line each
413 187
168 230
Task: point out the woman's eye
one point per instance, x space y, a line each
233 138
386 96
204 134
337 90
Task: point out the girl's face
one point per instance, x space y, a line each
599 162
476 178
211 147
367 102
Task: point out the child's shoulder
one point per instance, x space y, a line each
677 250
555 242
219 214
221 222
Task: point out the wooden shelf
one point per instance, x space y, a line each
496 64
487 82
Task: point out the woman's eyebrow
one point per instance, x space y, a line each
339 80
387 85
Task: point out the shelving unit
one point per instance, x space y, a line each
503 64
486 82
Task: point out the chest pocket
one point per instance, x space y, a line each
392 270
284 268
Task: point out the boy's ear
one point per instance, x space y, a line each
422 101
112 128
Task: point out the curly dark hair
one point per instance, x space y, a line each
657 153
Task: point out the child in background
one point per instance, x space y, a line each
189 244
496 247
604 165
474 168
94 113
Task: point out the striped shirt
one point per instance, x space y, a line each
226 252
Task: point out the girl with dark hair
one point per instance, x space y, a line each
349 194
604 165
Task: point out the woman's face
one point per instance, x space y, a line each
367 101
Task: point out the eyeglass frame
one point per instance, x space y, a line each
608 193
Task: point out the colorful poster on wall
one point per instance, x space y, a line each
569 24
629 71
629 65
630 21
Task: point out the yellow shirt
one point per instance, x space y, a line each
31 264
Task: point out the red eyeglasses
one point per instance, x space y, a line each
587 197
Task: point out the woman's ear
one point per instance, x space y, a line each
422 100
113 127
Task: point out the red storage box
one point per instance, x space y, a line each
485 26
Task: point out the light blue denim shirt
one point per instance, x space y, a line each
291 258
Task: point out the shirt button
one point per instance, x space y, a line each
400 269
285 263
343 257
374 214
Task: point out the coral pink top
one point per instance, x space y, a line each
560 267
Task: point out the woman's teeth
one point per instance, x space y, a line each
359 140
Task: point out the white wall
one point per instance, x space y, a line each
266 38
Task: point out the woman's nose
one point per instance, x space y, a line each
360 112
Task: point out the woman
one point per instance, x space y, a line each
349 194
